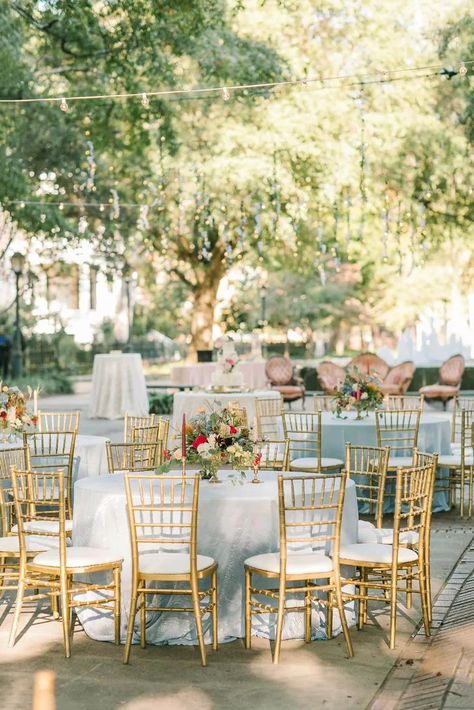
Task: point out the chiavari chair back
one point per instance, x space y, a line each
310 515
269 417
303 430
162 514
274 455
58 421
50 451
9 458
41 505
136 457
130 422
324 403
398 429
460 404
404 401
460 463
367 467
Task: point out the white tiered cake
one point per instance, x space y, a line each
223 377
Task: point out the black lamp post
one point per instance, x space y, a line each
17 262
127 275
263 304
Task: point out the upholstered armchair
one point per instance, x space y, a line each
281 376
330 376
398 378
449 381
370 364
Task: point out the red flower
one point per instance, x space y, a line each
257 459
232 429
3 414
201 439
166 455
357 394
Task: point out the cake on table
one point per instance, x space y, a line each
226 374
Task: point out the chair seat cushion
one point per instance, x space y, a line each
78 557
395 462
455 460
295 563
376 553
11 544
391 387
306 463
384 536
439 390
44 526
171 563
290 390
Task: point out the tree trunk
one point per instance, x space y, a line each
203 316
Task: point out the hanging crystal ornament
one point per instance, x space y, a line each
64 105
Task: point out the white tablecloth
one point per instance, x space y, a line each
235 522
189 402
90 457
118 387
199 375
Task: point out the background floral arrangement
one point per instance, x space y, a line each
215 438
14 413
360 392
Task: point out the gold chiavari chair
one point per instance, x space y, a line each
367 467
131 422
310 510
162 514
41 497
324 403
398 429
269 417
303 429
404 401
394 567
424 459
134 457
53 450
9 458
59 421
274 455
460 464
156 434
459 404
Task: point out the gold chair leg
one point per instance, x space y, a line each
461 495
198 619
65 618
143 619
280 616
54 605
131 623
409 593
329 614
117 595
214 601
361 616
393 610
342 615
307 614
16 616
248 610
3 572
425 605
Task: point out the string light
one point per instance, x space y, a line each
145 101
318 83
463 69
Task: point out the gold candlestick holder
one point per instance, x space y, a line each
256 479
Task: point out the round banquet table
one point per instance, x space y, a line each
189 402
90 455
118 387
434 437
199 375
235 522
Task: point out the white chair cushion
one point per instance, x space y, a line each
295 564
400 462
171 563
12 544
78 557
384 536
44 526
376 552
454 460
456 449
311 463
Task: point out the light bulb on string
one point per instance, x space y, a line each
463 70
225 93
145 101
63 105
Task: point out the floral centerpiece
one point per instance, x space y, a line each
15 416
215 438
358 392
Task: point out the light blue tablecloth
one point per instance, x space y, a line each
434 437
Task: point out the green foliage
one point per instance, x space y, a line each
50 383
160 402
